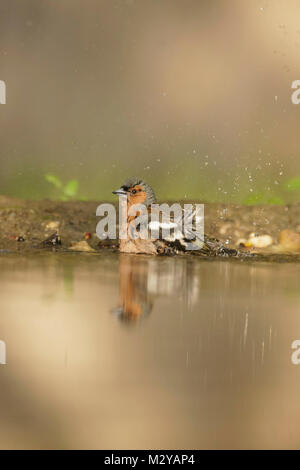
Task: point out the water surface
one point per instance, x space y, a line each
120 351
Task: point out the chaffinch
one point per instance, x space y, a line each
138 192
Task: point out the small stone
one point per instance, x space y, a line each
81 246
289 240
259 241
52 225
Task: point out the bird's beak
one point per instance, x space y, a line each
120 192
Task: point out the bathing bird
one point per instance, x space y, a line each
137 226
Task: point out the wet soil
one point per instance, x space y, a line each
25 225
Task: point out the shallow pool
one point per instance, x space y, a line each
121 351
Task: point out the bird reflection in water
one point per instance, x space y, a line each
134 297
143 278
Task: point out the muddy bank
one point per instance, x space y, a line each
25 225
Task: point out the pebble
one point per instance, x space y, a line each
259 241
289 240
81 246
52 225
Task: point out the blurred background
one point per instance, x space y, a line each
193 96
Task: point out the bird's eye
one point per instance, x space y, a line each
133 191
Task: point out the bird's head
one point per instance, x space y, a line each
137 192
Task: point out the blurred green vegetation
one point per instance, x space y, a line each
256 198
69 191
293 184
192 181
64 192
263 198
